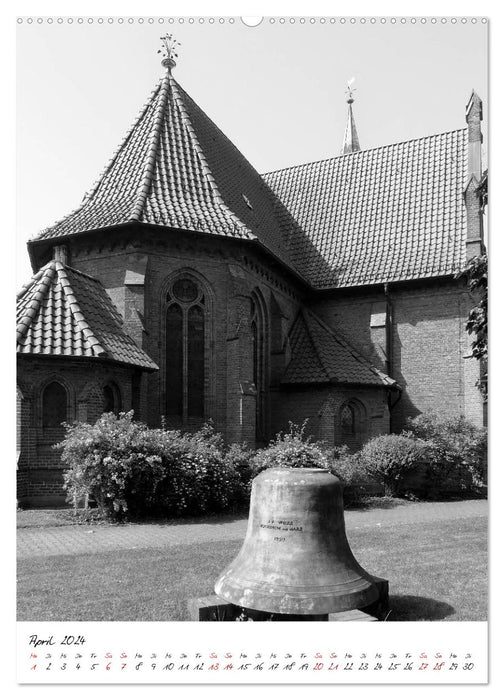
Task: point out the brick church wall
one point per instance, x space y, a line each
426 348
321 406
40 470
430 348
231 273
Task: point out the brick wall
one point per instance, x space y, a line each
321 406
429 351
230 273
424 346
40 471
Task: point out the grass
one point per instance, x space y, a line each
437 571
57 517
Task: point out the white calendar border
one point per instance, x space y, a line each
8 648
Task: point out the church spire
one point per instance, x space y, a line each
350 140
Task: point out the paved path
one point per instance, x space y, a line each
85 539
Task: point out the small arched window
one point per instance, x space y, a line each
54 405
185 350
350 428
111 399
347 420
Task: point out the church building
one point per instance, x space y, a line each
189 287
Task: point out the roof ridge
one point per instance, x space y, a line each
34 278
92 190
304 314
76 311
82 274
199 151
363 150
44 280
152 149
113 307
88 195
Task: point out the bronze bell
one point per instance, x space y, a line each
296 559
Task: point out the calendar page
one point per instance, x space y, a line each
305 653
241 239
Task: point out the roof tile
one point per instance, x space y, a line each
321 356
379 215
386 214
176 169
84 323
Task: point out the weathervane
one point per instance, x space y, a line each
350 90
169 51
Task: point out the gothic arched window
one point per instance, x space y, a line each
350 428
347 420
54 405
259 366
185 350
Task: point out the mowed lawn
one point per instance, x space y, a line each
437 571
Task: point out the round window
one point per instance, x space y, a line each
185 290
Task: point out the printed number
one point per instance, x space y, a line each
468 667
70 639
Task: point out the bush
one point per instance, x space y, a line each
458 453
291 450
239 459
108 460
388 458
129 468
358 485
197 477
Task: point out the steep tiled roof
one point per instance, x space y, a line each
175 168
63 312
320 356
385 214
380 215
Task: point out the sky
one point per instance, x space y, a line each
276 90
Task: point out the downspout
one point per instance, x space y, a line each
389 363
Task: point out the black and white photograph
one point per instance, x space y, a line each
251 384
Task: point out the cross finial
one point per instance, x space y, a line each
169 51
350 90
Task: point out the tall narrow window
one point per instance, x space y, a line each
185 350
174 360
347 422
111 399
54 405
195 361
258 335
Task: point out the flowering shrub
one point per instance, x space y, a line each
457 455
129 468
239 459
197 478
357 482
291 450
388 458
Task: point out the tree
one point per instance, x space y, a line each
477 320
